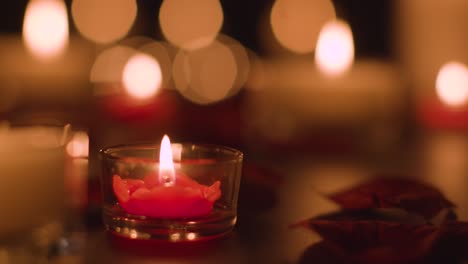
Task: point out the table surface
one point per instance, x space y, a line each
295 190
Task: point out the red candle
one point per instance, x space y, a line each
165 194
434 114
450 109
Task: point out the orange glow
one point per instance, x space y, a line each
191 24
452 84
297 23
110 63
166 163
104 21
335 48
191 236
242 61
142 76
206 75
45 28
79 145
256 78
161 51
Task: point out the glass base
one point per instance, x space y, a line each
215 225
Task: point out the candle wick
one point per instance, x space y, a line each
167 179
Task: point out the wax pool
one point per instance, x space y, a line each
148 197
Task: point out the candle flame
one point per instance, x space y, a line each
335 48
166 163
452 84
45 28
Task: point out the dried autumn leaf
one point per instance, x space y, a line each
379 214
362 234
324 252
406 194
372 241
452 243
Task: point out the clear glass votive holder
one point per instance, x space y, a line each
200 204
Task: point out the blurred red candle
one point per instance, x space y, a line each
166 194
450 109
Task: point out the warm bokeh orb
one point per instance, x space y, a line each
205 75
256 79
45 28
452 84
78 146
161 51
297 23
104 21
190 24
334 53
109 64
242 61
142 76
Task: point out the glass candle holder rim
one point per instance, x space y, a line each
107 152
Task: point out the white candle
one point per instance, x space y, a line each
44 64
334 90
76 169
370 89
27 78
297 95
31 177
429 34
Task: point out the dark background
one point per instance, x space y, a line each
370 21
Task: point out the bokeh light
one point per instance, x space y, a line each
452 83
335 48
256 78
104 21
109 64
242 61
45 28
161 51
78 146
190 24
297 23
136 41
142 76
205 75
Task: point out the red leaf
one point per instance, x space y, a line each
410 195
324 252
358 235
452 242
370 241
380 214
378 241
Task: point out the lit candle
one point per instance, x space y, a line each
449 109
429 34
335 90
190 194
166 194
44 63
